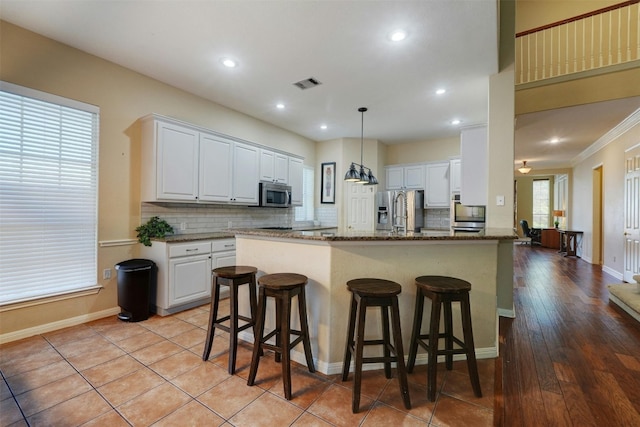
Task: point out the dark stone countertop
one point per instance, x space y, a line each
337 235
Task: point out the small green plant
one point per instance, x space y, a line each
155 227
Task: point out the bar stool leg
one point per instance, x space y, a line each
472 365
386 337
257 345
233 326
415 331
285 341
400 368
213 316
304 328
350 342
278 303
434 333
253 304
448 335
359 346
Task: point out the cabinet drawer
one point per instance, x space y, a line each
224 245
193 248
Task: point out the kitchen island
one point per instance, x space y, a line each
331 257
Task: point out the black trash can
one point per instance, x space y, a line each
136 279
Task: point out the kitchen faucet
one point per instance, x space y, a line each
397 226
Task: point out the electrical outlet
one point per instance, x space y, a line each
500 200
106 274
229 224
183 226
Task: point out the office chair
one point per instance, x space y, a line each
535 234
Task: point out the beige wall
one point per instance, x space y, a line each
611 158
123 96
423 151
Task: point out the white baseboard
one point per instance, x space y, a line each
504 312
612 272
54 326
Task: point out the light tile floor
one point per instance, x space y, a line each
113 373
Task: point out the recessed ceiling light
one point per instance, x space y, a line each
456 121
397 35
280 106
229 63
323 127
554 140
440 91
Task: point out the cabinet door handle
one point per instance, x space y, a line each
229 246
192 250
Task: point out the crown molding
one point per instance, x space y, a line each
607 138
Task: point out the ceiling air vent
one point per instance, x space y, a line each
307 83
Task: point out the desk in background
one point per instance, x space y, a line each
569 241
550 238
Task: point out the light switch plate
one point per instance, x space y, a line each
500 200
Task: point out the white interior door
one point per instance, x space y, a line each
360 202
632 215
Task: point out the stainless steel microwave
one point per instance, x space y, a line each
274 195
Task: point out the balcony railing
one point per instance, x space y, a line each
602 38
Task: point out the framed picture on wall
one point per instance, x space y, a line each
328 187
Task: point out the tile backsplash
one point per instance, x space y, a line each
198 218
437 219
209 218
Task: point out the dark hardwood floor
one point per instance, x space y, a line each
569 357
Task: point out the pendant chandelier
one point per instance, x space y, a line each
361 177
524 169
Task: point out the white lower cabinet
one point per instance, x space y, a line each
184 271
189 279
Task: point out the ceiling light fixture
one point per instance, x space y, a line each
280 106
441 91
229 63
398 35
554 140
456 121
352 174
323 127
524 169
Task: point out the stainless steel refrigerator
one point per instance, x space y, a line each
403 209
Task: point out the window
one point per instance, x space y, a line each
48 194
541 203
305 212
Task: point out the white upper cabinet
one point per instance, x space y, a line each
169 156
437 194
215 168
414 177
274 167
395 177
245 174
454 175
473 154
182 162
295 180
176 162
282 168
410 177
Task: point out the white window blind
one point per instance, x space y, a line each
541 203
305 212
48 194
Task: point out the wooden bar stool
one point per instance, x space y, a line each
282 287
233 277
374 293
442 291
